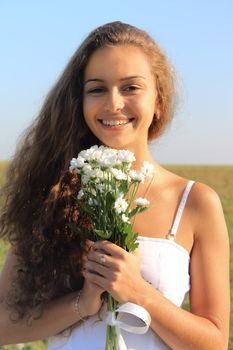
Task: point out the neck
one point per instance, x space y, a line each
142 156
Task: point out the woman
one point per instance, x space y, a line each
117 90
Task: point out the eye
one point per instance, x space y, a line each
131 88
96 90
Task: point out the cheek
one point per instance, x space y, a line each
85 106
88 109
146 111
150 107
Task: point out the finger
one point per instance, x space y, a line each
92 287
103 259
100 258
94 267
96 279
89 245
110 248
136 252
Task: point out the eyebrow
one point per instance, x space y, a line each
122 79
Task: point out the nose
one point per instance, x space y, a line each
114 101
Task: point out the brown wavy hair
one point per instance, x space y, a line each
39 192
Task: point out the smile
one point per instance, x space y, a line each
115 122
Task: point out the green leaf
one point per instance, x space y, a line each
127 228
103 233
123 187
141 209
130 240
133 212
132 246
131 237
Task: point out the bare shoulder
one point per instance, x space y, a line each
204 198
201 196
207 213
204 190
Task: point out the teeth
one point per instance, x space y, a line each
114 122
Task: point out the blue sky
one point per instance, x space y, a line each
38 37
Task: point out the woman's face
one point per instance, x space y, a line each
119 96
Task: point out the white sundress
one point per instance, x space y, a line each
164 264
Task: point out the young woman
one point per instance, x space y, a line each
117 90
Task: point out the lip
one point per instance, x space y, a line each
119 118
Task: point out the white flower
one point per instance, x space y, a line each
96 173
120 204
96 155
126 156
109 152
108 158
125 218
100 187
137 175
141 202
107 162
86 168
148 169
92 153
80 194
76 163
119 174
85 179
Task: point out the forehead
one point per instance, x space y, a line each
118 61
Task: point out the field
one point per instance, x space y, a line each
219 178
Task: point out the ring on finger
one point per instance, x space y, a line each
102 259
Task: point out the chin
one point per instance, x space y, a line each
116 144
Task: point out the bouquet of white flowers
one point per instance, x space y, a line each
108 196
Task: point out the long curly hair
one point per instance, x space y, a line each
39 193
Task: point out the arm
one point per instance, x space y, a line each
58 314
206 326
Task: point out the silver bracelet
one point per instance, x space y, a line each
76 305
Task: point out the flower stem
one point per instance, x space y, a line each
111 334
135 188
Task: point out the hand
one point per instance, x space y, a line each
90 299
119 274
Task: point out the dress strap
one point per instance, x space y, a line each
184 198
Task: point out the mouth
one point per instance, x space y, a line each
115 124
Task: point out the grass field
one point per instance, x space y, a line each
219 178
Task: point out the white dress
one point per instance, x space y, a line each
164 264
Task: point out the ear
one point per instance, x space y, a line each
157 111
156 115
